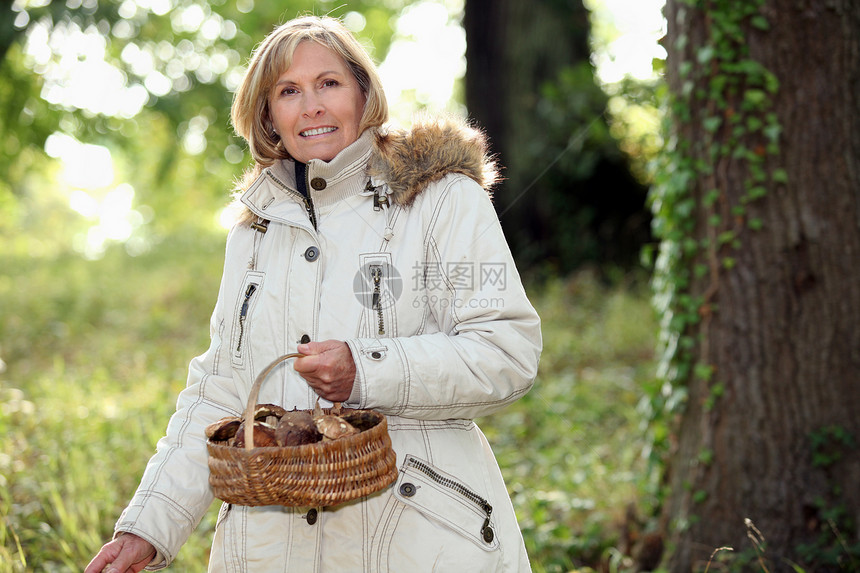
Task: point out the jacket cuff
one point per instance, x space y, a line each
141 520
354 399
355 395
157 562
378 360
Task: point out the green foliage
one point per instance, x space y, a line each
595 207
829 445
96 351
833 522
178 150
720 110
571 449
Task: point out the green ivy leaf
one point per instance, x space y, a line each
705 54
703 371
706 456
760 22
711 197
712 124
755 98
726 237
772 131
754 123
756 192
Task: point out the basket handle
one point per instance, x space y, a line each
255 392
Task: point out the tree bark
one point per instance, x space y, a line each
780 327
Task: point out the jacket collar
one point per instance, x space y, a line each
344 176
406 160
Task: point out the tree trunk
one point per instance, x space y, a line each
770 436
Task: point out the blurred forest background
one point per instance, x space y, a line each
118 160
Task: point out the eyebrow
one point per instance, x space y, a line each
320 75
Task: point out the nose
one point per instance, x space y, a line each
313 105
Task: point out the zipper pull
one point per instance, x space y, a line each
379 201
376 275
252 288
248 294
486 531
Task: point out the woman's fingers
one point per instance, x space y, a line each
128 552
328 368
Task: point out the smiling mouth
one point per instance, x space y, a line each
317 131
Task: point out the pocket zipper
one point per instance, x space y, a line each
244 313
486 531
376 276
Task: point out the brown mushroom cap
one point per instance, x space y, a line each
297 428
263 411
264 435
223 429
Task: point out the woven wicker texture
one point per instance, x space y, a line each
311 475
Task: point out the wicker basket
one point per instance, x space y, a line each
310 475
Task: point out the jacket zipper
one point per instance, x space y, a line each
243 313
376 304
486 531
309 207
306 201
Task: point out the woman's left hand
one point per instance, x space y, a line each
328 368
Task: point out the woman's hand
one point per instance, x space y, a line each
128 552
328 368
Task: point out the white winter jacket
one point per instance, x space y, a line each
398 252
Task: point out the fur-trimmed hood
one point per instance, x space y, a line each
408 160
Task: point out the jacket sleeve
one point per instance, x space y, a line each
174 493
481 347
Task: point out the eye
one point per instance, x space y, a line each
330 83
288 91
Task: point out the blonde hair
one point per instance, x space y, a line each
250 111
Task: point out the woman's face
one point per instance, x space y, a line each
316 105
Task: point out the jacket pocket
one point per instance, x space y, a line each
245 303
223 512
378 286
453 522
226 555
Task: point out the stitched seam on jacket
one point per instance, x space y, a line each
508 398
432 425
433 245
407 373
427 443
169 453
216 358
155 494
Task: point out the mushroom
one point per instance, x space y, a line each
223 429
269 413
330 426
264 435
297 428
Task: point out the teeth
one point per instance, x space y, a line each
318 131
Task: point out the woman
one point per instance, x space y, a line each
377 255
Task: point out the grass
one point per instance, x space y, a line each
571 450
96 351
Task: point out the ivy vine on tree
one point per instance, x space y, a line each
719 111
